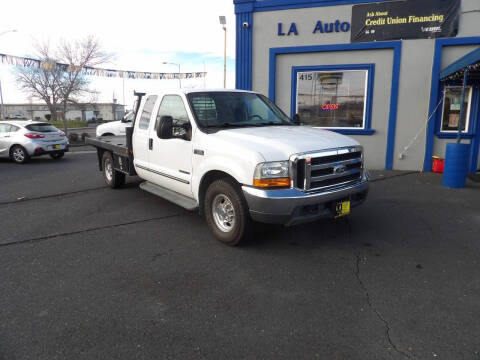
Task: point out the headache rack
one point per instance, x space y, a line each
325 169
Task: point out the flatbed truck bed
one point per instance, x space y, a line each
116 144
121 151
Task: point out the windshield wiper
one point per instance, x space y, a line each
229 124
226 124
271 123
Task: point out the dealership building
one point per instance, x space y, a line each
391 74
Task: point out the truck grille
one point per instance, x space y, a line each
325 169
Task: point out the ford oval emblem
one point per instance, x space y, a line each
339 169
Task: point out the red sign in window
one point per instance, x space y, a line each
329 107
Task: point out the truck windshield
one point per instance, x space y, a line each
232 109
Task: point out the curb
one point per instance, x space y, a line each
78 145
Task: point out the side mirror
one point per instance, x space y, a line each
296 119
188 132
165 127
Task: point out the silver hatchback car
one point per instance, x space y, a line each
20 140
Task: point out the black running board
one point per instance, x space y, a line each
172 196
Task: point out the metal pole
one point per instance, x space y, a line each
123 90
462 107
225 58
204 77
1 94
179 79
1 98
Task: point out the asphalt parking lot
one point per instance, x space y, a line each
92 273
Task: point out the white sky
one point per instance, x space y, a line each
140 34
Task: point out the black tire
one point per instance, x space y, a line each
229 232
108 134
112 177
57 155
19 155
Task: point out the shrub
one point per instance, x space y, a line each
73 137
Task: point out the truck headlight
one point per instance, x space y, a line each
272 174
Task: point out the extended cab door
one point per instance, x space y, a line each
171 158
141 141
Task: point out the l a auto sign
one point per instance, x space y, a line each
320 27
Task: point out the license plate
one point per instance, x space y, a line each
56 147
342 209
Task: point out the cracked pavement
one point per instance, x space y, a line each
88 272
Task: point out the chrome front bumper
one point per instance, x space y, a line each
292 206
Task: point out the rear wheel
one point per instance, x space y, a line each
112 177
226 212
57 155
19 155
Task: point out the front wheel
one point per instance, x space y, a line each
112 177
226 212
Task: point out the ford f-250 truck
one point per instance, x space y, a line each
237 158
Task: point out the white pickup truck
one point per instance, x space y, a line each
237 158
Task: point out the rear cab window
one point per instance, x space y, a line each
43 128
144 121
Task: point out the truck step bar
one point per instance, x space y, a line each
172 196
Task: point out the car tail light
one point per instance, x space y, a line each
34 136
61 133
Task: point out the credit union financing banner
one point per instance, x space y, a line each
409 19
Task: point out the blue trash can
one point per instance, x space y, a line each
456 165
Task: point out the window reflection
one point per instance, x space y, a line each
451 108
332 99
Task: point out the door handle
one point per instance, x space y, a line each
150 144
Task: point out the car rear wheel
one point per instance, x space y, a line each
226 212
57 155
19 155
112 177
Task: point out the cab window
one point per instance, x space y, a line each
172 105
147 112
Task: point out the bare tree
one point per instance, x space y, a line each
60 85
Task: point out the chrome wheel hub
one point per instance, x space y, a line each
18 155
108 170
223 213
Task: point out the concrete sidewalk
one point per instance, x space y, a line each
428 177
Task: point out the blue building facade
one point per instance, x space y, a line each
397 97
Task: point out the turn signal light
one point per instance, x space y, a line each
268 183
34 136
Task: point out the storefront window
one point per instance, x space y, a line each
451 108
332 99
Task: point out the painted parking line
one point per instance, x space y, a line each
81 152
